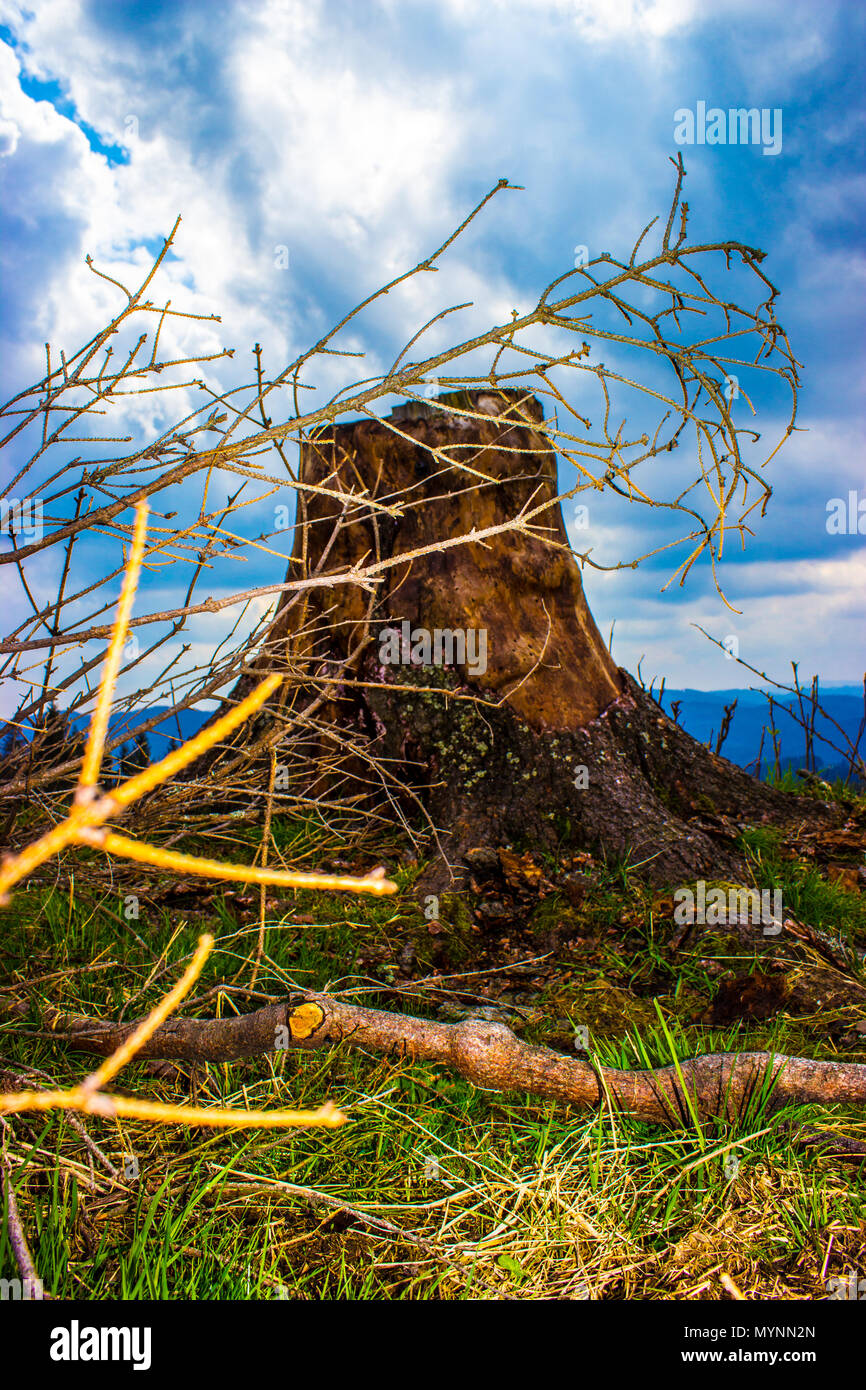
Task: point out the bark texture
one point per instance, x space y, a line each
558 747
491 1056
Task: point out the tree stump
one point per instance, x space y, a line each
477 672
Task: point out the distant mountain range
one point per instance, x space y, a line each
700 713
165 736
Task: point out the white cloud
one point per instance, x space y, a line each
809 612
306 133
597 20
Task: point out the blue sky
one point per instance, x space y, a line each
358 135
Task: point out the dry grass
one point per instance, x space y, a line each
432 1189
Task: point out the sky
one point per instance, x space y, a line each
316 149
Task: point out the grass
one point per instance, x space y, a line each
493 1194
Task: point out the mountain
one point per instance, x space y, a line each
701 713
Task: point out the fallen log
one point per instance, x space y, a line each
714 1085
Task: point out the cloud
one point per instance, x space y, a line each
317 149
600 21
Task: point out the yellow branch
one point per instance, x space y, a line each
375 882
180 758
84 825
92 762
89 811
89 1099
127 1050
93 1103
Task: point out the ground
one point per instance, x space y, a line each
494 1194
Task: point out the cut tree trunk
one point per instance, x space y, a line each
543 744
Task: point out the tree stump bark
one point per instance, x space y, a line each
558 747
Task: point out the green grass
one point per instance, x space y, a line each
496 1194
